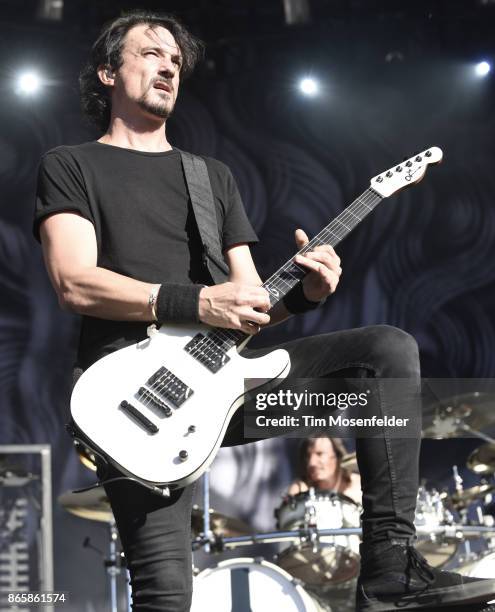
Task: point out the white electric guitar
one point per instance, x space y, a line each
159 409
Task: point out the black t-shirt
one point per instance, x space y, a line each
143 219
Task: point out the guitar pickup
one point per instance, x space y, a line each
208 351
133 412
165 385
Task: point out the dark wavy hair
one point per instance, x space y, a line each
107 51
339 450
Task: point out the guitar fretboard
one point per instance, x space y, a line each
287 276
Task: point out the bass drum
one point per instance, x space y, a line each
480 568
252 585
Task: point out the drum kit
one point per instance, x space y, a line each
318 533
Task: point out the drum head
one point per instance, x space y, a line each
329 563
483 567
249 585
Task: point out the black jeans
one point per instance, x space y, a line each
155 532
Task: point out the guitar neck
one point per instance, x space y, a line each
279 284
287 276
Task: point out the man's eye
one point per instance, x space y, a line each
151 53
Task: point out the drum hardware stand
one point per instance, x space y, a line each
113 564
205 540
210 542
459 489
468 554
311 522
451 531
457 479
478 434
314 538
206 510
479 513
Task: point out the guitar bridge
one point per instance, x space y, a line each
167 386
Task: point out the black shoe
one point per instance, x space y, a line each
395 576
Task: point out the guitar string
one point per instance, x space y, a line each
209 344
156 387
369 196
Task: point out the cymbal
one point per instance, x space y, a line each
454 417
482 459
220 524
86 457
462 499
92 504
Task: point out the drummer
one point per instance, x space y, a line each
319 466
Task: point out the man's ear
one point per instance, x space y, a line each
106 75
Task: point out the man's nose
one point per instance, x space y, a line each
166 73
167 68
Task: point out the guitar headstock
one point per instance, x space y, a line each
406 173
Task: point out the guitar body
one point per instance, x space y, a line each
195 427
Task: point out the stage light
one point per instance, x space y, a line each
482 69
52 10
297 12
28 83
308 86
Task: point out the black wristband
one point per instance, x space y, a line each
296 302
178 303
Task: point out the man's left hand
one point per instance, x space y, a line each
324 269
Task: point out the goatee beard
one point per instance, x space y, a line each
158 110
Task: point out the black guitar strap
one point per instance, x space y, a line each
199 188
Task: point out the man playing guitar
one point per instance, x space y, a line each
122 249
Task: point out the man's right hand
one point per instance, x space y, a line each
232 305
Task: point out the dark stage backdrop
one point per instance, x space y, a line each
423 261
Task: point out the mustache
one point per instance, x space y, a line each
162 81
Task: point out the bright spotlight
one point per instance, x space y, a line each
308 86
482 69
28 83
